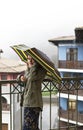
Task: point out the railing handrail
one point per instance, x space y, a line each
8 81
63 79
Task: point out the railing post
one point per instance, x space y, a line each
0 110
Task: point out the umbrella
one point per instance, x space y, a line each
23 51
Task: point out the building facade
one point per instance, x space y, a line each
9 70
70 64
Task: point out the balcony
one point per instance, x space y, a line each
72 115
55 116
70 64
74 92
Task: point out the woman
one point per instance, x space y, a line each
32 97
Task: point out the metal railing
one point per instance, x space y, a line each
69 119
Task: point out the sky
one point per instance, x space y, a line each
34 22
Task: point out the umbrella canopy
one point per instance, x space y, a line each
23 51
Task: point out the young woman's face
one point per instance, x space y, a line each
30 61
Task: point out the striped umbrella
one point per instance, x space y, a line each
23 51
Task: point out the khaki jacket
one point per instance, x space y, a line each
32 93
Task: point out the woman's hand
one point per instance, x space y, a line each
22 78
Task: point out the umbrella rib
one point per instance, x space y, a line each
24 54
20 54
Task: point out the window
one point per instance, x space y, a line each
4 100
3 77
72 104
72 128
72 54
66 74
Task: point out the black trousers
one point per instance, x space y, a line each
31 118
